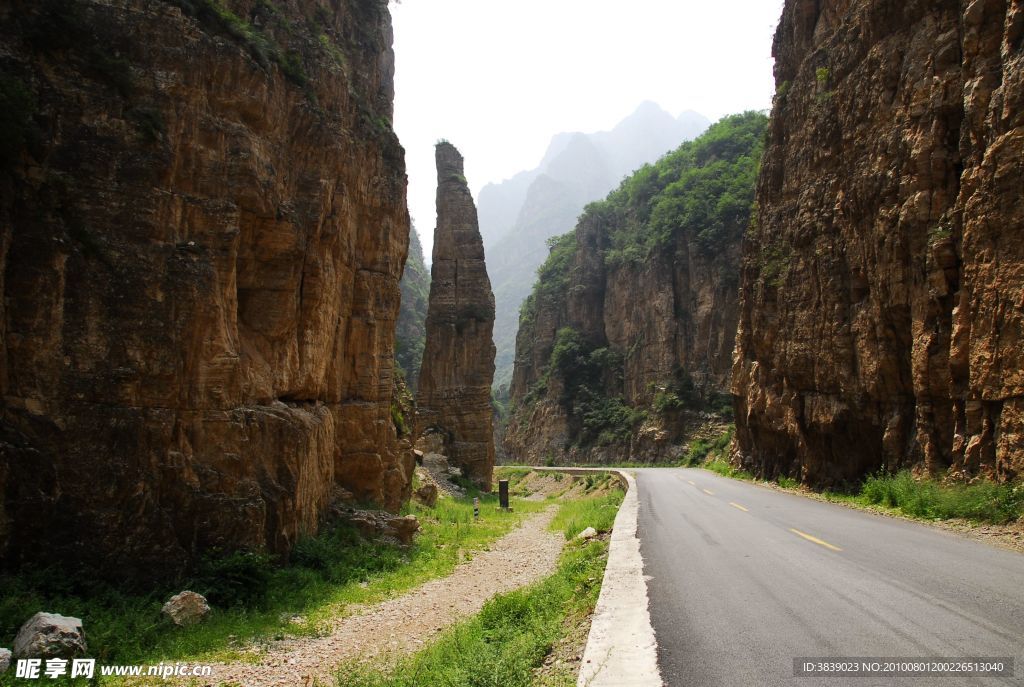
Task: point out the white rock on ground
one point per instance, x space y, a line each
5 659
186 608
588 533
48 635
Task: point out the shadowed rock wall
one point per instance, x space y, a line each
202 233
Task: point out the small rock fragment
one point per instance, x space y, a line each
5 659
427 495
186 608
587 534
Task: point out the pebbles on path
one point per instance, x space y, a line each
404 624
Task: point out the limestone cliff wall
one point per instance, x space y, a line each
670 316
454 394
882 315
625 345
202 232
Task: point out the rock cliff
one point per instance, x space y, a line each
625 345
454 395
203 230
882 293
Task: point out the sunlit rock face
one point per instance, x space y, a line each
203 232
454 396
882 318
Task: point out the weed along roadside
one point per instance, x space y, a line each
258 601
535 635
516 605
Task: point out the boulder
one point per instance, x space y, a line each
379 525
5 660
404 529
186 608
587 534
48 635
427 494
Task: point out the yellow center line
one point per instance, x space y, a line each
736 505
815 540
692 482
709 493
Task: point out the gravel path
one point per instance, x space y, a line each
404 624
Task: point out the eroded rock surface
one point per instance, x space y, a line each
201 238
882 320
454 395
49 635
186 608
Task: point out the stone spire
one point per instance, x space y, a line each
454 396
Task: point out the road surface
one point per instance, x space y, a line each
743 579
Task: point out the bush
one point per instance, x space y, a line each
704 190
239 578
983 501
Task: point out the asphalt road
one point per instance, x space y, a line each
743 579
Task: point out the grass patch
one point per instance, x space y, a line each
925 499
714 450
260 597
722 467
984 501
514 632
596 511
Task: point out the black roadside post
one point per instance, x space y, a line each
476 508
503 493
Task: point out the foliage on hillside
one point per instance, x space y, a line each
705 189
411 330
702 194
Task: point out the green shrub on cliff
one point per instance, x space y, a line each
704 190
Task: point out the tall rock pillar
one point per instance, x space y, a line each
454 396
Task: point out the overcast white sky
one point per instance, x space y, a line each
498 79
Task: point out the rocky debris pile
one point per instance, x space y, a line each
186 608
49 635
434 469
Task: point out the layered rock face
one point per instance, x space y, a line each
628 336
454 395
882 319
203 232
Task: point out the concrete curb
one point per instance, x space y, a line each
621 648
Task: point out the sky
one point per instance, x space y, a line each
499 79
